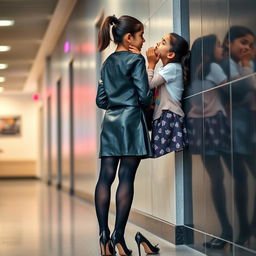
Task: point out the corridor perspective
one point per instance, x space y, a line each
39 220
197 201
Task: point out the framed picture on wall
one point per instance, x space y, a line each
10 126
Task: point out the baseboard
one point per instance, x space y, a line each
19 178
170 232
18 168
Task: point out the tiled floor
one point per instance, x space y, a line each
37 220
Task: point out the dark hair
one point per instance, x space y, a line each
182 54
235 32
125 24
202 55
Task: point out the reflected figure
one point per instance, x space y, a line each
238 44
214 129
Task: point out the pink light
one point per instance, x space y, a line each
88 48
36 96
67 47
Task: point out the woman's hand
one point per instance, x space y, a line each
152 57
134 49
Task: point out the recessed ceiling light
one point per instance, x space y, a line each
4 23
4 48
3 66
1 89
2 79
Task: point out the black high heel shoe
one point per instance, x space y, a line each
244 238
148 247
220 243
106 246
118 241
215 243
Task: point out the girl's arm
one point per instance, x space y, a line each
101 98
154 79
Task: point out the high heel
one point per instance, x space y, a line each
215 243
220 243
148 247
244 238
118 241
105 245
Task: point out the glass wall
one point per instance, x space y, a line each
220 104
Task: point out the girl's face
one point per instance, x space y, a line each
137 39
163 47
218 51
241 47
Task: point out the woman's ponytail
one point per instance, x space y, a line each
125 24
104 33
185 62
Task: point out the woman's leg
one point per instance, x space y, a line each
103 189
125 191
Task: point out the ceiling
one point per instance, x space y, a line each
31 18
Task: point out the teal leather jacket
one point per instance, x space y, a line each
123 91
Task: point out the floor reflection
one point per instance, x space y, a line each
39 220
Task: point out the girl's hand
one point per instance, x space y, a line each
247 57
152 58
134 49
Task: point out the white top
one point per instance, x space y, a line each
216 74
163 99
172 74
212 102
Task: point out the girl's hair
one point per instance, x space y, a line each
233 33
125 24
182 54
202 55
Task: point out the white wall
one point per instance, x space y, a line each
24 147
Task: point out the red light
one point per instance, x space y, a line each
36 96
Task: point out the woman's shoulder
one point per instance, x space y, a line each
124 57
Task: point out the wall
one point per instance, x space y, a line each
20 154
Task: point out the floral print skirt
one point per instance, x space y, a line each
210 135
168 134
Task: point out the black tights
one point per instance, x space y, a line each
216 173
124 193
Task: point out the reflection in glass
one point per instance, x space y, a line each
212 139
244 148
206 54
239 54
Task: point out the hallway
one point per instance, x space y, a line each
38 220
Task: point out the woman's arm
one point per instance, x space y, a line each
101 98
140 80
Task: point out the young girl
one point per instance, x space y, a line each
168 131
123 90
238 45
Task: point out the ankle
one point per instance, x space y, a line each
106 232
118 233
